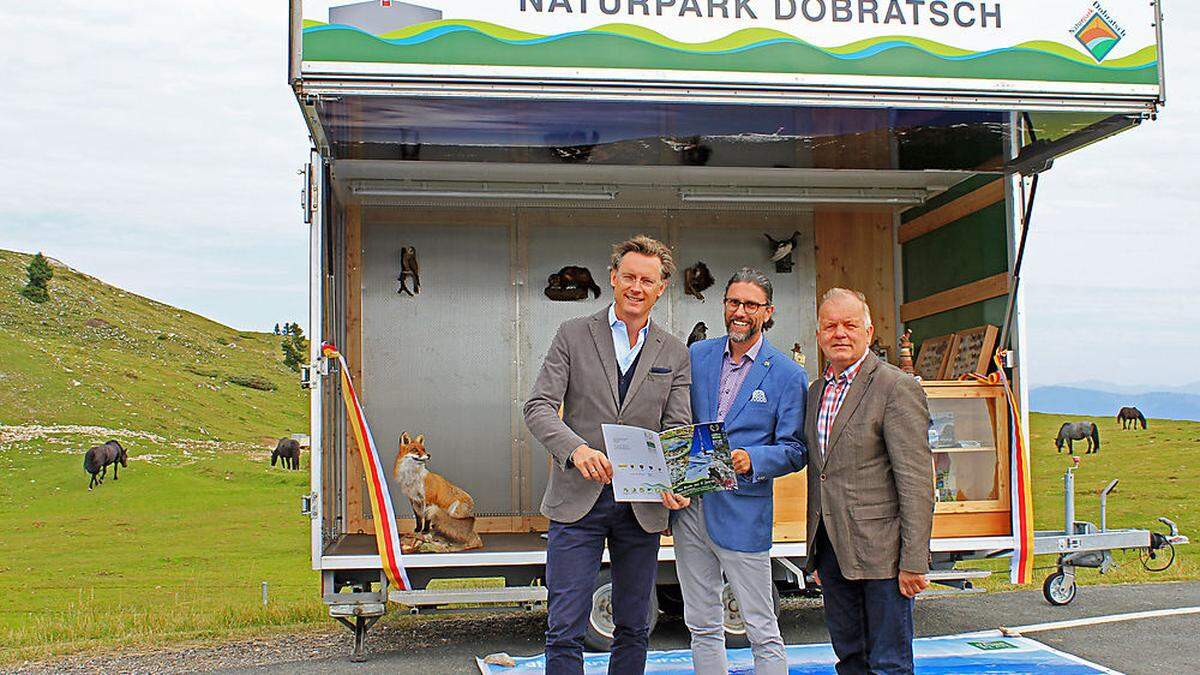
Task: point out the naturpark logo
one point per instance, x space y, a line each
1098 32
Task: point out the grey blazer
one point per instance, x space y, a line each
580 373
873 487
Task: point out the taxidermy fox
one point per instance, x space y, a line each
442 508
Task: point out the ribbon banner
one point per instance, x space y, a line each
386 535
1021 570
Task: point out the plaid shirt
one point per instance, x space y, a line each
831 400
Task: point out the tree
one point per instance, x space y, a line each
295 347
40 274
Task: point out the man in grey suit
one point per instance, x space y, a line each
870 492
614 367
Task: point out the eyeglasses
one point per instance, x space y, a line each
750 307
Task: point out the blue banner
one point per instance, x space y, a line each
955 654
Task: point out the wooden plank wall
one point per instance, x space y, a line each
855 251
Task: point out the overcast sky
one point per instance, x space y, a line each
155 145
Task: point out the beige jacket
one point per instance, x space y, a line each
873 487
580 373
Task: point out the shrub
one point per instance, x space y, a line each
252 382
40 274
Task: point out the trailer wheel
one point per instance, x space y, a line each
1057 590
735 624
599 636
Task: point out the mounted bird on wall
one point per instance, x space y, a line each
696 280
571 283
781 252
409 269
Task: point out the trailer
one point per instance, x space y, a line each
503 141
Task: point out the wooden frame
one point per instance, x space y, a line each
959 517
932 359
960 296
981 343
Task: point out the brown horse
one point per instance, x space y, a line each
1132 416
288 450
97 459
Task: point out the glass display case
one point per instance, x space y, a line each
969 439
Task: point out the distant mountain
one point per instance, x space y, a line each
1112 387
1080 401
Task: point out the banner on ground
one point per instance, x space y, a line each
933 656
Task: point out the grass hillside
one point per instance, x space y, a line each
1158 470
176 549
97 355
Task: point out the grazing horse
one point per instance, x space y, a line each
1132 416
288 450
97 459
1078 431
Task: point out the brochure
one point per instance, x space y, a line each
688 461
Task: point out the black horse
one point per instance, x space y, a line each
1078 431
97 459
1132 416
288 450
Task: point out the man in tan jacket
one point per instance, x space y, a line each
617 366
870 492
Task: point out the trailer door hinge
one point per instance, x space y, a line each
308 192
308 505
309 372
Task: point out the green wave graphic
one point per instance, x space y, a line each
750 50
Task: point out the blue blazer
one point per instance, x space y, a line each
771 432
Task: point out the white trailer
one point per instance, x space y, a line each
505 140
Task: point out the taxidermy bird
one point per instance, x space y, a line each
782 248
696 280
699 332
409 268
781 252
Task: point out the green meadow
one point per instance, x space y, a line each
177 549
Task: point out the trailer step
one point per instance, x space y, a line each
939 576
512 595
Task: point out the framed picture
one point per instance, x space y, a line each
971 352
932 359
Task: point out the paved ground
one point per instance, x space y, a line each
1151 645
450 644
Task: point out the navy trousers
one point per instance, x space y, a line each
870 621
572 563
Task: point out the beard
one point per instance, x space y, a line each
751 331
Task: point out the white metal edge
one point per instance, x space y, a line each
665 554
700 78
315 310
810 97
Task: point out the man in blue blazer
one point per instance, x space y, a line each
759 393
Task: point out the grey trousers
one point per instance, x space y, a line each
699 563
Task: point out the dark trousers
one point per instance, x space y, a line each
870 621
572 563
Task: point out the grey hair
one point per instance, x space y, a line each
845 292
749 275
645 246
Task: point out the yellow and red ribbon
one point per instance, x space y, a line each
1021 569
387 537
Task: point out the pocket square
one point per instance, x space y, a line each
660 371
759 396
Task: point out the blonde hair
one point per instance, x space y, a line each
645 246
845 292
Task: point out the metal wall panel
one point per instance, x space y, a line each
736 240
439 364
457 362
549 244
